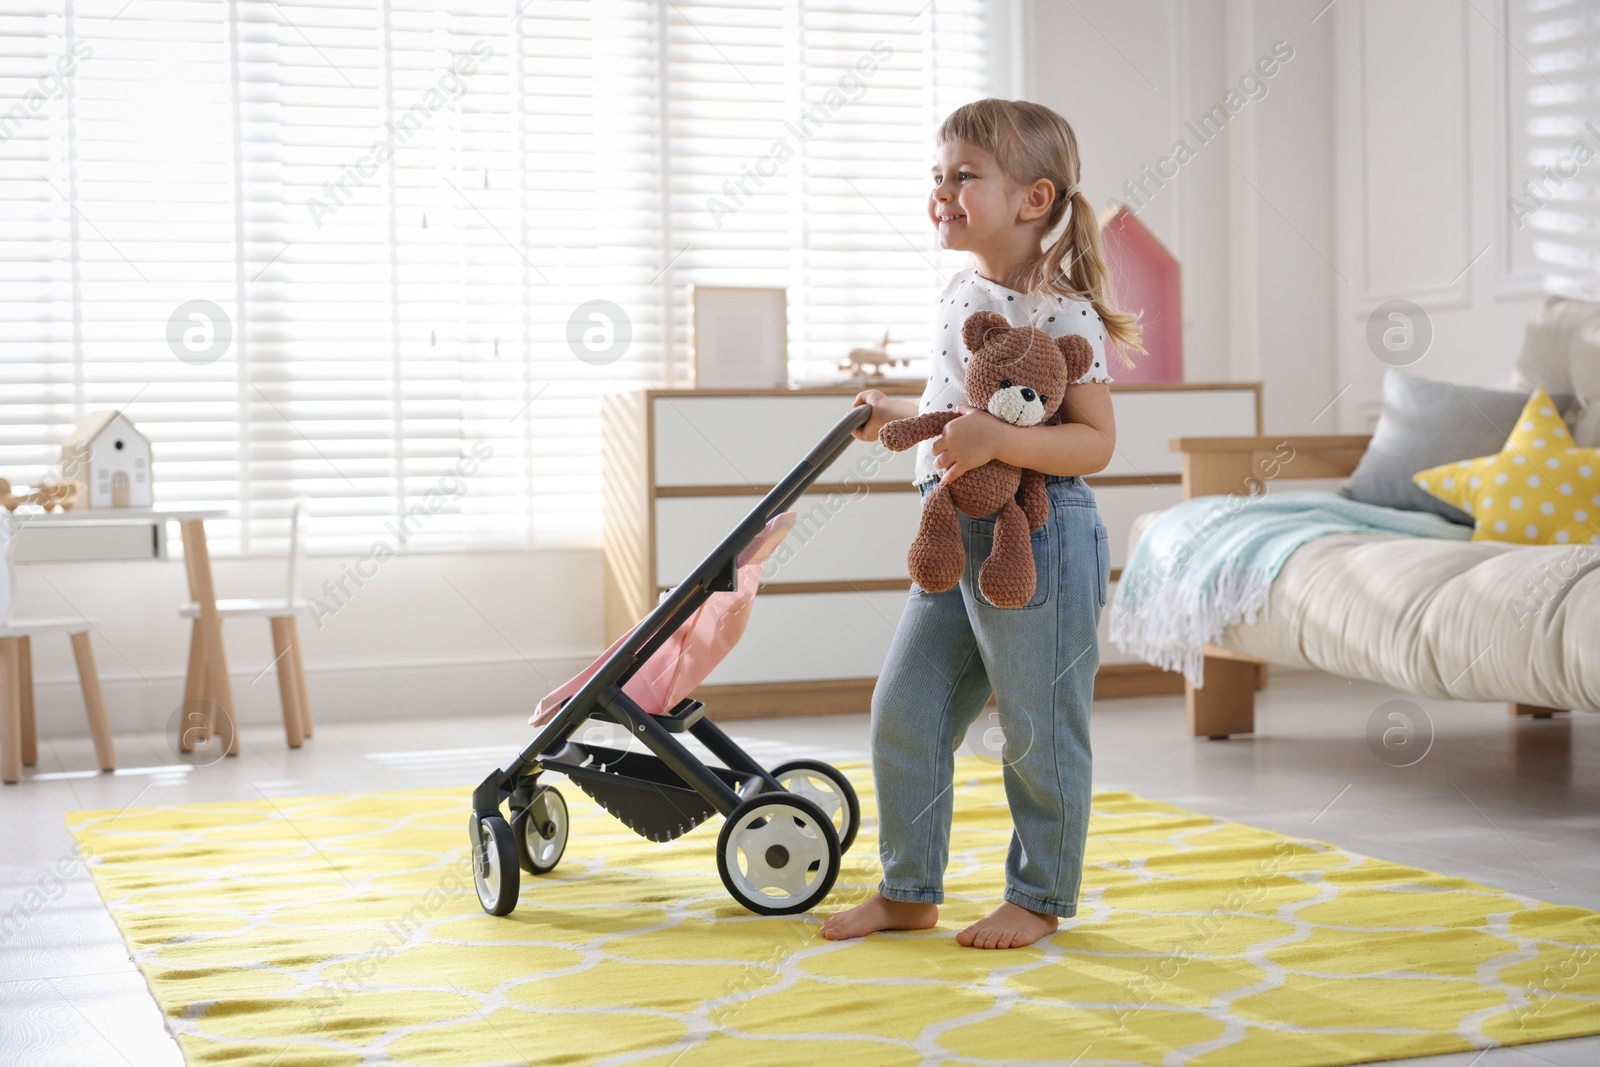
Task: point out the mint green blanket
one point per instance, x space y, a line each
1206 564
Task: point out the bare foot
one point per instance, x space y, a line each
879 913
1008 926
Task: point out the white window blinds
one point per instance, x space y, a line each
332 247
1553 62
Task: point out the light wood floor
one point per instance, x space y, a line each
1512 804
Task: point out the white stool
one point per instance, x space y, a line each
19 739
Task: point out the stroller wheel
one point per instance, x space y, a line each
540 831
778 854
494 863
825 786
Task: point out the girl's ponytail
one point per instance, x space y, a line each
1075 266
1030 142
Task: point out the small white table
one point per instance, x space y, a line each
141 533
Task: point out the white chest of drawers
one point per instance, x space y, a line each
682 466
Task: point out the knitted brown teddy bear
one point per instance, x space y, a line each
1018 374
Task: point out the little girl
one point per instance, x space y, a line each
1005 177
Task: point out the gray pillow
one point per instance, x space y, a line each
1424 424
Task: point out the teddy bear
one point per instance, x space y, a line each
1019 374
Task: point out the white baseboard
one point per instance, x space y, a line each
488 685
507 684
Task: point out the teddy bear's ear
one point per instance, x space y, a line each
1078 353
980 328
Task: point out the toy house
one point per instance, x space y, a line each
110 461
1145 279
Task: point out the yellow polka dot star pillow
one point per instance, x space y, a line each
1537 490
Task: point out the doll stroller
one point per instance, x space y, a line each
784 830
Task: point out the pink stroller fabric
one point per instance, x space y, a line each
685 659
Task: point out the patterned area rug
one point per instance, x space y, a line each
345 930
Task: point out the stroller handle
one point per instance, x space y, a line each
832 446
839 437
777 501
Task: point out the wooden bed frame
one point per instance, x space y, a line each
1239 466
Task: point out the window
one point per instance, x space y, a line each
337 250
1552 62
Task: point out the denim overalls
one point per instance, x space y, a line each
949 652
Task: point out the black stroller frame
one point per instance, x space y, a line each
785 830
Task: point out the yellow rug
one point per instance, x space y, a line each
344 930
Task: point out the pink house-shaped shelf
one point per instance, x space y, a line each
1144 278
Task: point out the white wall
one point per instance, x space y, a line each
1372 168
439 634
1423 134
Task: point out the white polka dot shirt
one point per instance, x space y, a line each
969 293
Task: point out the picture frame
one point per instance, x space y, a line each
738 337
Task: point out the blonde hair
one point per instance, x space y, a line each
1030 142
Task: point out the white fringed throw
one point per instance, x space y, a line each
1207 564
